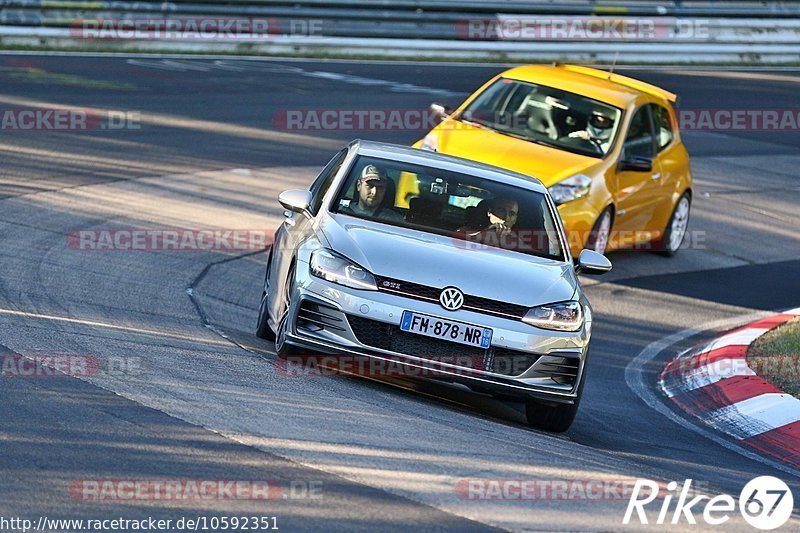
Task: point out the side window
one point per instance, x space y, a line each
639 139
663 125
324 180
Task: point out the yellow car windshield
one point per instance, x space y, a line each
546 115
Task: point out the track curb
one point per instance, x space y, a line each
713 382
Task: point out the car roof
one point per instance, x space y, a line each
619 91
447 162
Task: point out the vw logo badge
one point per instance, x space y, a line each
451 299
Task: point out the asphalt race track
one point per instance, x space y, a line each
208 401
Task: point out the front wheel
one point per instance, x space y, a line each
283 348
554 418
675 231
263 331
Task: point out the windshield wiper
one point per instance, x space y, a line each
526 138
477 124
534 140
503 131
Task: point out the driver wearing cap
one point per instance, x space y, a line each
598 129
371 190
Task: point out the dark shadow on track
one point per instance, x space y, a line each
772 286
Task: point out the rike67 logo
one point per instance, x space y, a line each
765 503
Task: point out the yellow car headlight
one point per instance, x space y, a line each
571 188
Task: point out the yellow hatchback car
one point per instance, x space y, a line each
607 147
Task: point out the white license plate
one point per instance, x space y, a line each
448 330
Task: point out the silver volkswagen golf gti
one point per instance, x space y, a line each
436 264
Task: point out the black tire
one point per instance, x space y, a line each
592 239
283 348
263 331
664 245
554 418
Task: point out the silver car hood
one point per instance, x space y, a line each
437 261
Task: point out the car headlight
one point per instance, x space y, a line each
571 188
330 266
565 316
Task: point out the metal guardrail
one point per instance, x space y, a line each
732 31
414 10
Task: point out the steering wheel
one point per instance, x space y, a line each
597 144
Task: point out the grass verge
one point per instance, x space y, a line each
775 357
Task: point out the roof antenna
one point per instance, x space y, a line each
613 65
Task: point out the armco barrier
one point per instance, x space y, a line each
686 32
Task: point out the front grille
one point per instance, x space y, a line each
511 362
318 317
563 370
390 337
431 294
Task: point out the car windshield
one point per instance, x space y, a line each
546 116
475 212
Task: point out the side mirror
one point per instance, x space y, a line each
637 164
296 200
592 263
439 111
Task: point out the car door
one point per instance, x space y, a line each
670 162
295 230
636 189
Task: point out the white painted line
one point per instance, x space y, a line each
183 66
149 64
795 311
391 86
714 372
224 66
756 415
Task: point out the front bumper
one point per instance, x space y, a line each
523 361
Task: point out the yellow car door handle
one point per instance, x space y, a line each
656 176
